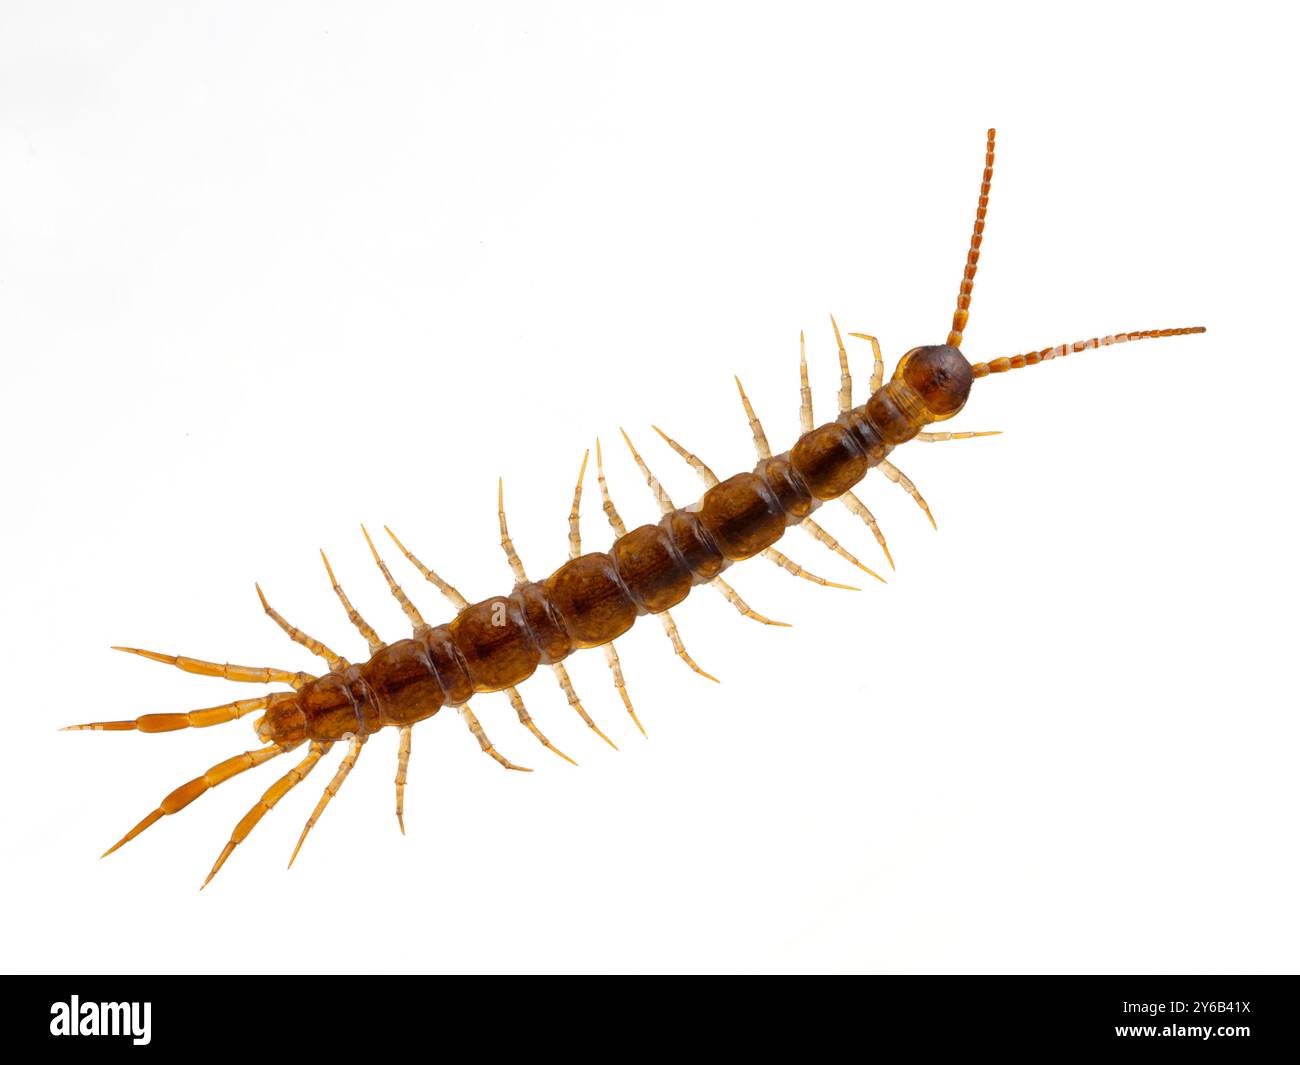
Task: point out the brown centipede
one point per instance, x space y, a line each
596 597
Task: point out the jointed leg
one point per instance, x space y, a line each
526 719
188 792
403 760
562 675
408 608
670 627
756 427
935 438
616 667
856 506
335 662
900 478
331 789
575 528
710 479
246 674
454 597
371 637
215 715
266 803
616 523
878 364
846 381
805 392
827 540
575 549
732 596
484 742
506 544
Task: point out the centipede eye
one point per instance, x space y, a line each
940 375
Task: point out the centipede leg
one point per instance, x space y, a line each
616 668
214 715
408 608
507 545
670 627
477 730
331 789
733 597
362 626
188 792
937 438
856 506
566 685
808 525
575 549
900 478
403 760
620 529
243 674
846 380
335 662
266 804
526 719
454 597
878 362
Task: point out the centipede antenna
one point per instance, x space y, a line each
213 715
335 662
243 674
846 379
962 314
191 790
331 789
266 804
362 626
403 760
408 608
454 597
1033 358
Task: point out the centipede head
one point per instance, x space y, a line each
940 375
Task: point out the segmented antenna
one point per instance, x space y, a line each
1033 358
962 313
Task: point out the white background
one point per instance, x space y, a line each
269 271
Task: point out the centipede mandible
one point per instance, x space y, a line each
597 596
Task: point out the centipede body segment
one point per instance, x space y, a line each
595 597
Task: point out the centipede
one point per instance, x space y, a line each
595 597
